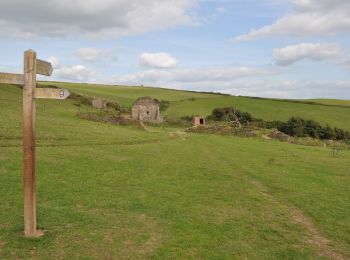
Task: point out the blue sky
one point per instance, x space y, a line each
268 48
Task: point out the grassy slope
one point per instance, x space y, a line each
266 109
334 102
189 103
127 95
107 191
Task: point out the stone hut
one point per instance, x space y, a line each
146 109
197 120
99 103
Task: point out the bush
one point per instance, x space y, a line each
81 99
299 127
313 128
227 113
187 118
327 133
115 106
295 126
273 124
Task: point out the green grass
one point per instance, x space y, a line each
106 191
126 95
185 103
332 102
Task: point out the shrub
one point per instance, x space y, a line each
327 133
273 124
295 126
299 127
187 118
81 99
313 128
227 113
115 106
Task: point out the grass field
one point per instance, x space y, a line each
190 103
333 102
119 192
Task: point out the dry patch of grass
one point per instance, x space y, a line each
154 237
313 235
113 234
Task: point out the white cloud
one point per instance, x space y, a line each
246 81
77 73
158 60
237 81
200 78
23 18
54 61
90 54
290 89
293 53
308 18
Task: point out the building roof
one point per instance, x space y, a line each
143 100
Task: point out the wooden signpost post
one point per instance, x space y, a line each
32 67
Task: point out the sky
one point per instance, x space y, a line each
265 48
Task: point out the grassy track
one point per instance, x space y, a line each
108 191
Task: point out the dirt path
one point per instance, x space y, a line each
145 127
313 236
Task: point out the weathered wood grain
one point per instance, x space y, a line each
10 78
44 68
51 93
29 144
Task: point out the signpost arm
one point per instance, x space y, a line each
29 143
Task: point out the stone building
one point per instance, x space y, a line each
99 103
197 120
146 109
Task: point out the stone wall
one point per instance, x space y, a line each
146 109
197 120
99 103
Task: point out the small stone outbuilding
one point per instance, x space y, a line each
197 120
99 103
146 109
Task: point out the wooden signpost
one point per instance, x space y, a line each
10 78
32 67
51 93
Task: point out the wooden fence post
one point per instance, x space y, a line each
29 144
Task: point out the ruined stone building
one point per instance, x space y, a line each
146 109
99 103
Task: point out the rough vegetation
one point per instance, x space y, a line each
295 126
299 127
86 100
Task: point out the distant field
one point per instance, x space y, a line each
113 192
185 103
127 95
336 102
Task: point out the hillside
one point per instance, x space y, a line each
109 191
185 103
332 102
